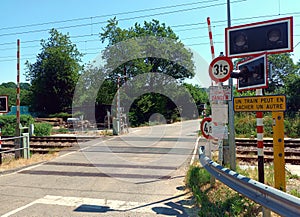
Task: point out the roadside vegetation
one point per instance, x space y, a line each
245 125
10 163
54 75
220 200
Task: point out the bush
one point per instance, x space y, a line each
9 122
245 125
219 200
42 129
292 126
197 177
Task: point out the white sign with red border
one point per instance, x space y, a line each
206 127
220 68
217 93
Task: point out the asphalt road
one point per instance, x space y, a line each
138 174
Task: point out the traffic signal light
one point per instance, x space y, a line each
273 36
252 73
3 104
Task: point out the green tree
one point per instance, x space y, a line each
175 49
54 74
10 89
9 85
199 95
285 79
148 39
282 65
292 90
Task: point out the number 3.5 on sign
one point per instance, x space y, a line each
220 68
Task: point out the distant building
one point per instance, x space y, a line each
24 110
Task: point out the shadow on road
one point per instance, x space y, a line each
167 207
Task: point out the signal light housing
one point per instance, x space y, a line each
273 36
252 73
3 104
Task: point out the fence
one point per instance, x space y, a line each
24 146
269 197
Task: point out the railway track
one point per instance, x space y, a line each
46 144
245 148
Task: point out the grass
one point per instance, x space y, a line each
295 193
220 200
10 163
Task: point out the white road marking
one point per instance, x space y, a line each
134 131
195 150
63 155
116 205
18 209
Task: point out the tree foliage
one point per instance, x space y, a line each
10 89
149 48
282 66
54 74
292 90
285 79
199 95
117 52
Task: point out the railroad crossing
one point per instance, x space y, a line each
146 177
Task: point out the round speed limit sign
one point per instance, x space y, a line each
206 127
220 68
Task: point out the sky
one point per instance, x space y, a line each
30 21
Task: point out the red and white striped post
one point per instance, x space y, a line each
17 141
212 49
18 83
260 141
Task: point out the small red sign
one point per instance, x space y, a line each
206 128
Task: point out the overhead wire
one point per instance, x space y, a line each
135 17
109 15
122 19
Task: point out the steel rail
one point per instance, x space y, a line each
280 202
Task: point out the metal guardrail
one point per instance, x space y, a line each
25 146
269 197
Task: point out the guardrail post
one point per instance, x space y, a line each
23 131
212 179
25 145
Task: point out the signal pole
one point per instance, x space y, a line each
17 141
231 136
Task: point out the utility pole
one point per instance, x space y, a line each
231 137
18 133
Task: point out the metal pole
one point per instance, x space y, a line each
17 141
0 146
260 150
260 141
212 178
278 147
231 136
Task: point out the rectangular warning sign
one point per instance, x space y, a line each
260 103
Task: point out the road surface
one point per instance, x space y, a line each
138 174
